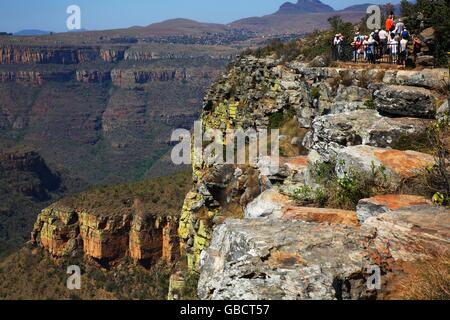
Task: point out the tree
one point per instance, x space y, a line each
406 8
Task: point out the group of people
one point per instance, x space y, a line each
391 42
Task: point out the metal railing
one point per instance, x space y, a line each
383 53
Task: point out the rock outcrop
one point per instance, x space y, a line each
20 54
65 231
285 260
331 133
406 101
396 166
282 250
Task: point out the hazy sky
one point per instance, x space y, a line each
51 15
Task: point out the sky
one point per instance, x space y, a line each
50 15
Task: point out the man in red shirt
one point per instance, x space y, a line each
390 24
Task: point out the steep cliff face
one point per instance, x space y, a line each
110 224
27 185
359 124
12 54
67 231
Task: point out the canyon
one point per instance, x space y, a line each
360 184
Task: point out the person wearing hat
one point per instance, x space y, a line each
405 34
399 27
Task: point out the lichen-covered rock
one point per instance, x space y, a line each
410 234
380 204
67 231
281 259
406 101
362 127
427 78
319 215
269 204
350 99
443 111
395 165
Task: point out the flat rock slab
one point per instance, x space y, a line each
377 205
280 259
427 78
411 234
398 165
282 168
320 215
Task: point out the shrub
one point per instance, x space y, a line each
370 104
189 291
341 192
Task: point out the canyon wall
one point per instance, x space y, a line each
246 228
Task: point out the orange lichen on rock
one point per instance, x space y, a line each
398 201
320 215
405 163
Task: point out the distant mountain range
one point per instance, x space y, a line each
32 32
301 17
304 6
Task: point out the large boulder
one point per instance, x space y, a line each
367 127
280 168
281 259
443 111
427 78
410 234
350 99
406 101
268 204
375 206
396 166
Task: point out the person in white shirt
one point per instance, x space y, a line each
399 27
403 50
383 40
393 45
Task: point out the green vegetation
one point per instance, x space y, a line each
189 291
160 196
32 274
370 104
434 14
342 192
287 51
438 177
278 119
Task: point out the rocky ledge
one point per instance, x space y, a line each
254 233
65 231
